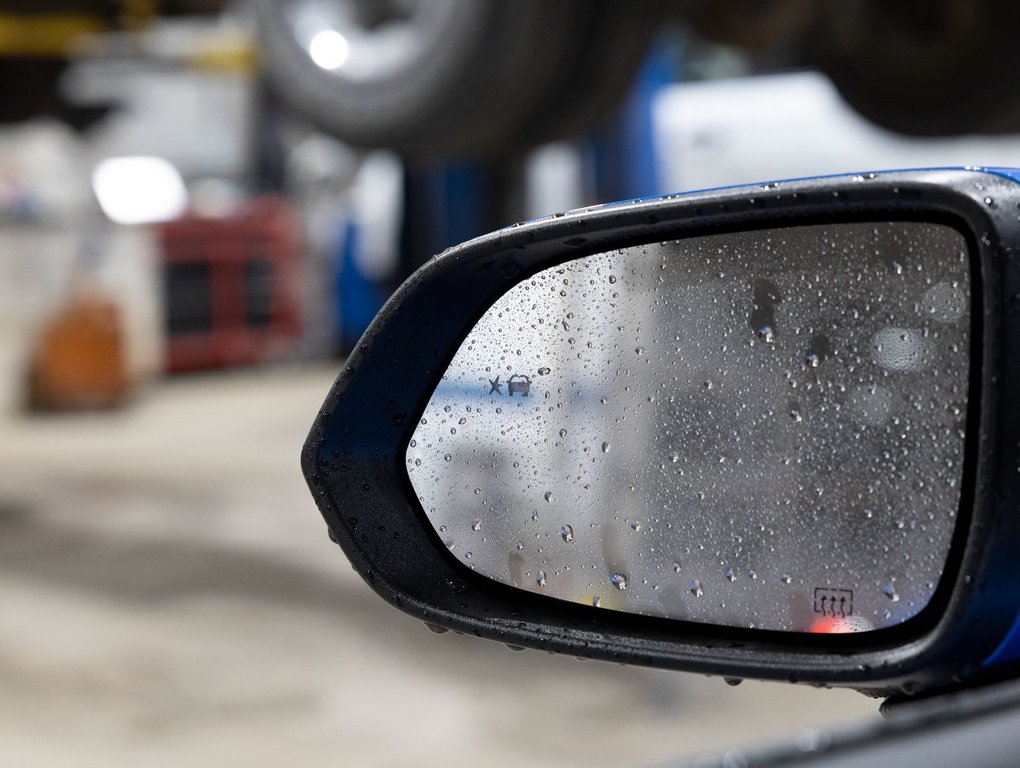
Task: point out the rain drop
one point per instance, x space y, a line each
476 525
605 447
548 496
696 589
619 580
543 371
540 579
890 591
567 532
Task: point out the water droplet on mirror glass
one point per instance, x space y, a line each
476 525
785 578
676 567
563 433
540 579
605 447
547 496
696 589
890 591
567 532
730 575
596 601
619 580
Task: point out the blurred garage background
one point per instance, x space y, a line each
202 205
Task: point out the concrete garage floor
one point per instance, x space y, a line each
168 597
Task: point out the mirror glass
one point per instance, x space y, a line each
759 429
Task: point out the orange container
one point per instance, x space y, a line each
79 361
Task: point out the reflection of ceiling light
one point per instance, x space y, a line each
329 49
139 190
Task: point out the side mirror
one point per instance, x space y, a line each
762 431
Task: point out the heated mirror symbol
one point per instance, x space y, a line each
758 429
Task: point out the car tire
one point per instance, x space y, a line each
605 46
923 67
478 65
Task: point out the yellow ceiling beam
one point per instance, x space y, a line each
44 35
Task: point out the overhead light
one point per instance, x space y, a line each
139 190
329 49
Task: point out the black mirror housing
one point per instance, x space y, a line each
354 458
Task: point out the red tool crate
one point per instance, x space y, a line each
232 287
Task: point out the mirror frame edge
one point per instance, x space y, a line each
455 597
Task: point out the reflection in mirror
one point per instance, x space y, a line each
758 429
